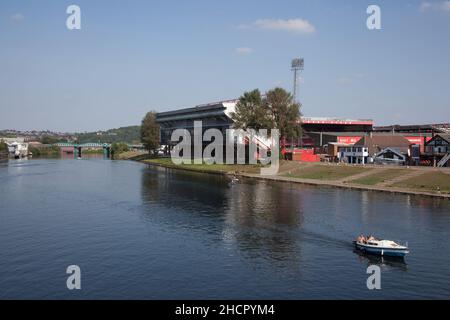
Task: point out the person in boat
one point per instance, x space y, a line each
361 239
371 238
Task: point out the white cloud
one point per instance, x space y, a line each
244 50
435 6
17 17
290 25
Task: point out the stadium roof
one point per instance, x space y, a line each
325 120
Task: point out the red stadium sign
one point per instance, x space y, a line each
349 139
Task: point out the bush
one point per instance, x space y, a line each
52 151
3 146
118 148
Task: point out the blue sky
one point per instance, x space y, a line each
134 56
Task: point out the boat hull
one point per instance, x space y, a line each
391 252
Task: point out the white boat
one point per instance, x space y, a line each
382 247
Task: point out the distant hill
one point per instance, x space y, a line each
129 134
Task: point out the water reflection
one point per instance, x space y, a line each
256 218
167 234
384 263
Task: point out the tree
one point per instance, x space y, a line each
285 112
3 146
251 113
118 148
277 110
46 139
150 132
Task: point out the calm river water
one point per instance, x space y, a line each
151 233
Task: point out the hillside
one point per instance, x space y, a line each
129 134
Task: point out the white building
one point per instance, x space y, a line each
355 154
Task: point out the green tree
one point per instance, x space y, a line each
118 148
46 139
251 112
3 146
277 110
284 111
150 132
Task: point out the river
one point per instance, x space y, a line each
141 232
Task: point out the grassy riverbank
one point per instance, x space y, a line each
212 168
414 180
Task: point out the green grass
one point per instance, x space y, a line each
379 177
428 181
93 151
223 168
324 172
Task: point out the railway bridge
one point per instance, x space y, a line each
77 149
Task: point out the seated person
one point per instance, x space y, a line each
361 239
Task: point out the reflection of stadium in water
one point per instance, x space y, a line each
251 215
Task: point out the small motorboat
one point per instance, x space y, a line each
234 180
381 247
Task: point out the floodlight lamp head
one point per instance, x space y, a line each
297 64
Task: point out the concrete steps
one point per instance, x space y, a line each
444 160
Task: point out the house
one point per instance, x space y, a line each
366 149
439 144
439 148
390 156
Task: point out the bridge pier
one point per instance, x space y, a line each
77 151
106 151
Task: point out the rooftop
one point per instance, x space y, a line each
343 121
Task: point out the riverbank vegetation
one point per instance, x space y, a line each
128 134
132 155
92 151
118 148
45 151
212 168
3 150
150 132
379 176
3 146
434 181
326 172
